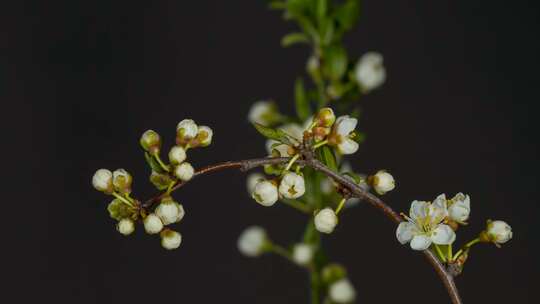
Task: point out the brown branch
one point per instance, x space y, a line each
245 165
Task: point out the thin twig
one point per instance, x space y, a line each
246 165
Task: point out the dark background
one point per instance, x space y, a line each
81 80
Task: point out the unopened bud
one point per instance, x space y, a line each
151 142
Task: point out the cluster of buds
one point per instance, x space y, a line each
435 223
289 185
166 213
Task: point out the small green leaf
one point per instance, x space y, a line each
275 134
294 38
327 157
347 14
119 210
154 165
303 110
335 62
321 9
277 5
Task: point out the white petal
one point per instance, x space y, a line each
348 146
345 125
405 232
443 235
420 242
459 211
419 210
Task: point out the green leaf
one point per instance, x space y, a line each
294 38
275 134
335 62
320 11
154 165
277 5
119 210
347 14
327 157
303 110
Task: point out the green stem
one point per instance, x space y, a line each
449 253
340 206
291 162
466 247
297 205
440 253
280 251
123 199
320 144
315 286
160 162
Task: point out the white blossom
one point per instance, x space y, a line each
369 71
265 193
342 291
292 185
177 155
424 225
170 239
499 232
326 220
262 112
152 224
187 129
459 208
184 171
170 211
125 226
251 241
342 133
252 181
383 182
103 180
205 136
302 254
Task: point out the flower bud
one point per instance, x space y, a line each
370 72
459 208
302 254
103 181
125 226
152 224
342 291
160 181
151 142
204 137
265 193
326 220
292 186
382 182
184 171
325 118
251 241
177 155
170 239
186 130
498 232
169 211
122 181
252 181
333 272
263 112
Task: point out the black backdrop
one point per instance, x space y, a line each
81 80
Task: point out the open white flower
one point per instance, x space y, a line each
252 181
342 291
184 171
342 133
302 254
170 211
187 129
383 182
122 181
103 180
263 112
292 186
265 193
424 225
459 208
499 232
326 220
369 71
125 226
204 136
177 155
170 239
251 241
152 224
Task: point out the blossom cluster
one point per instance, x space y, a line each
128 211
